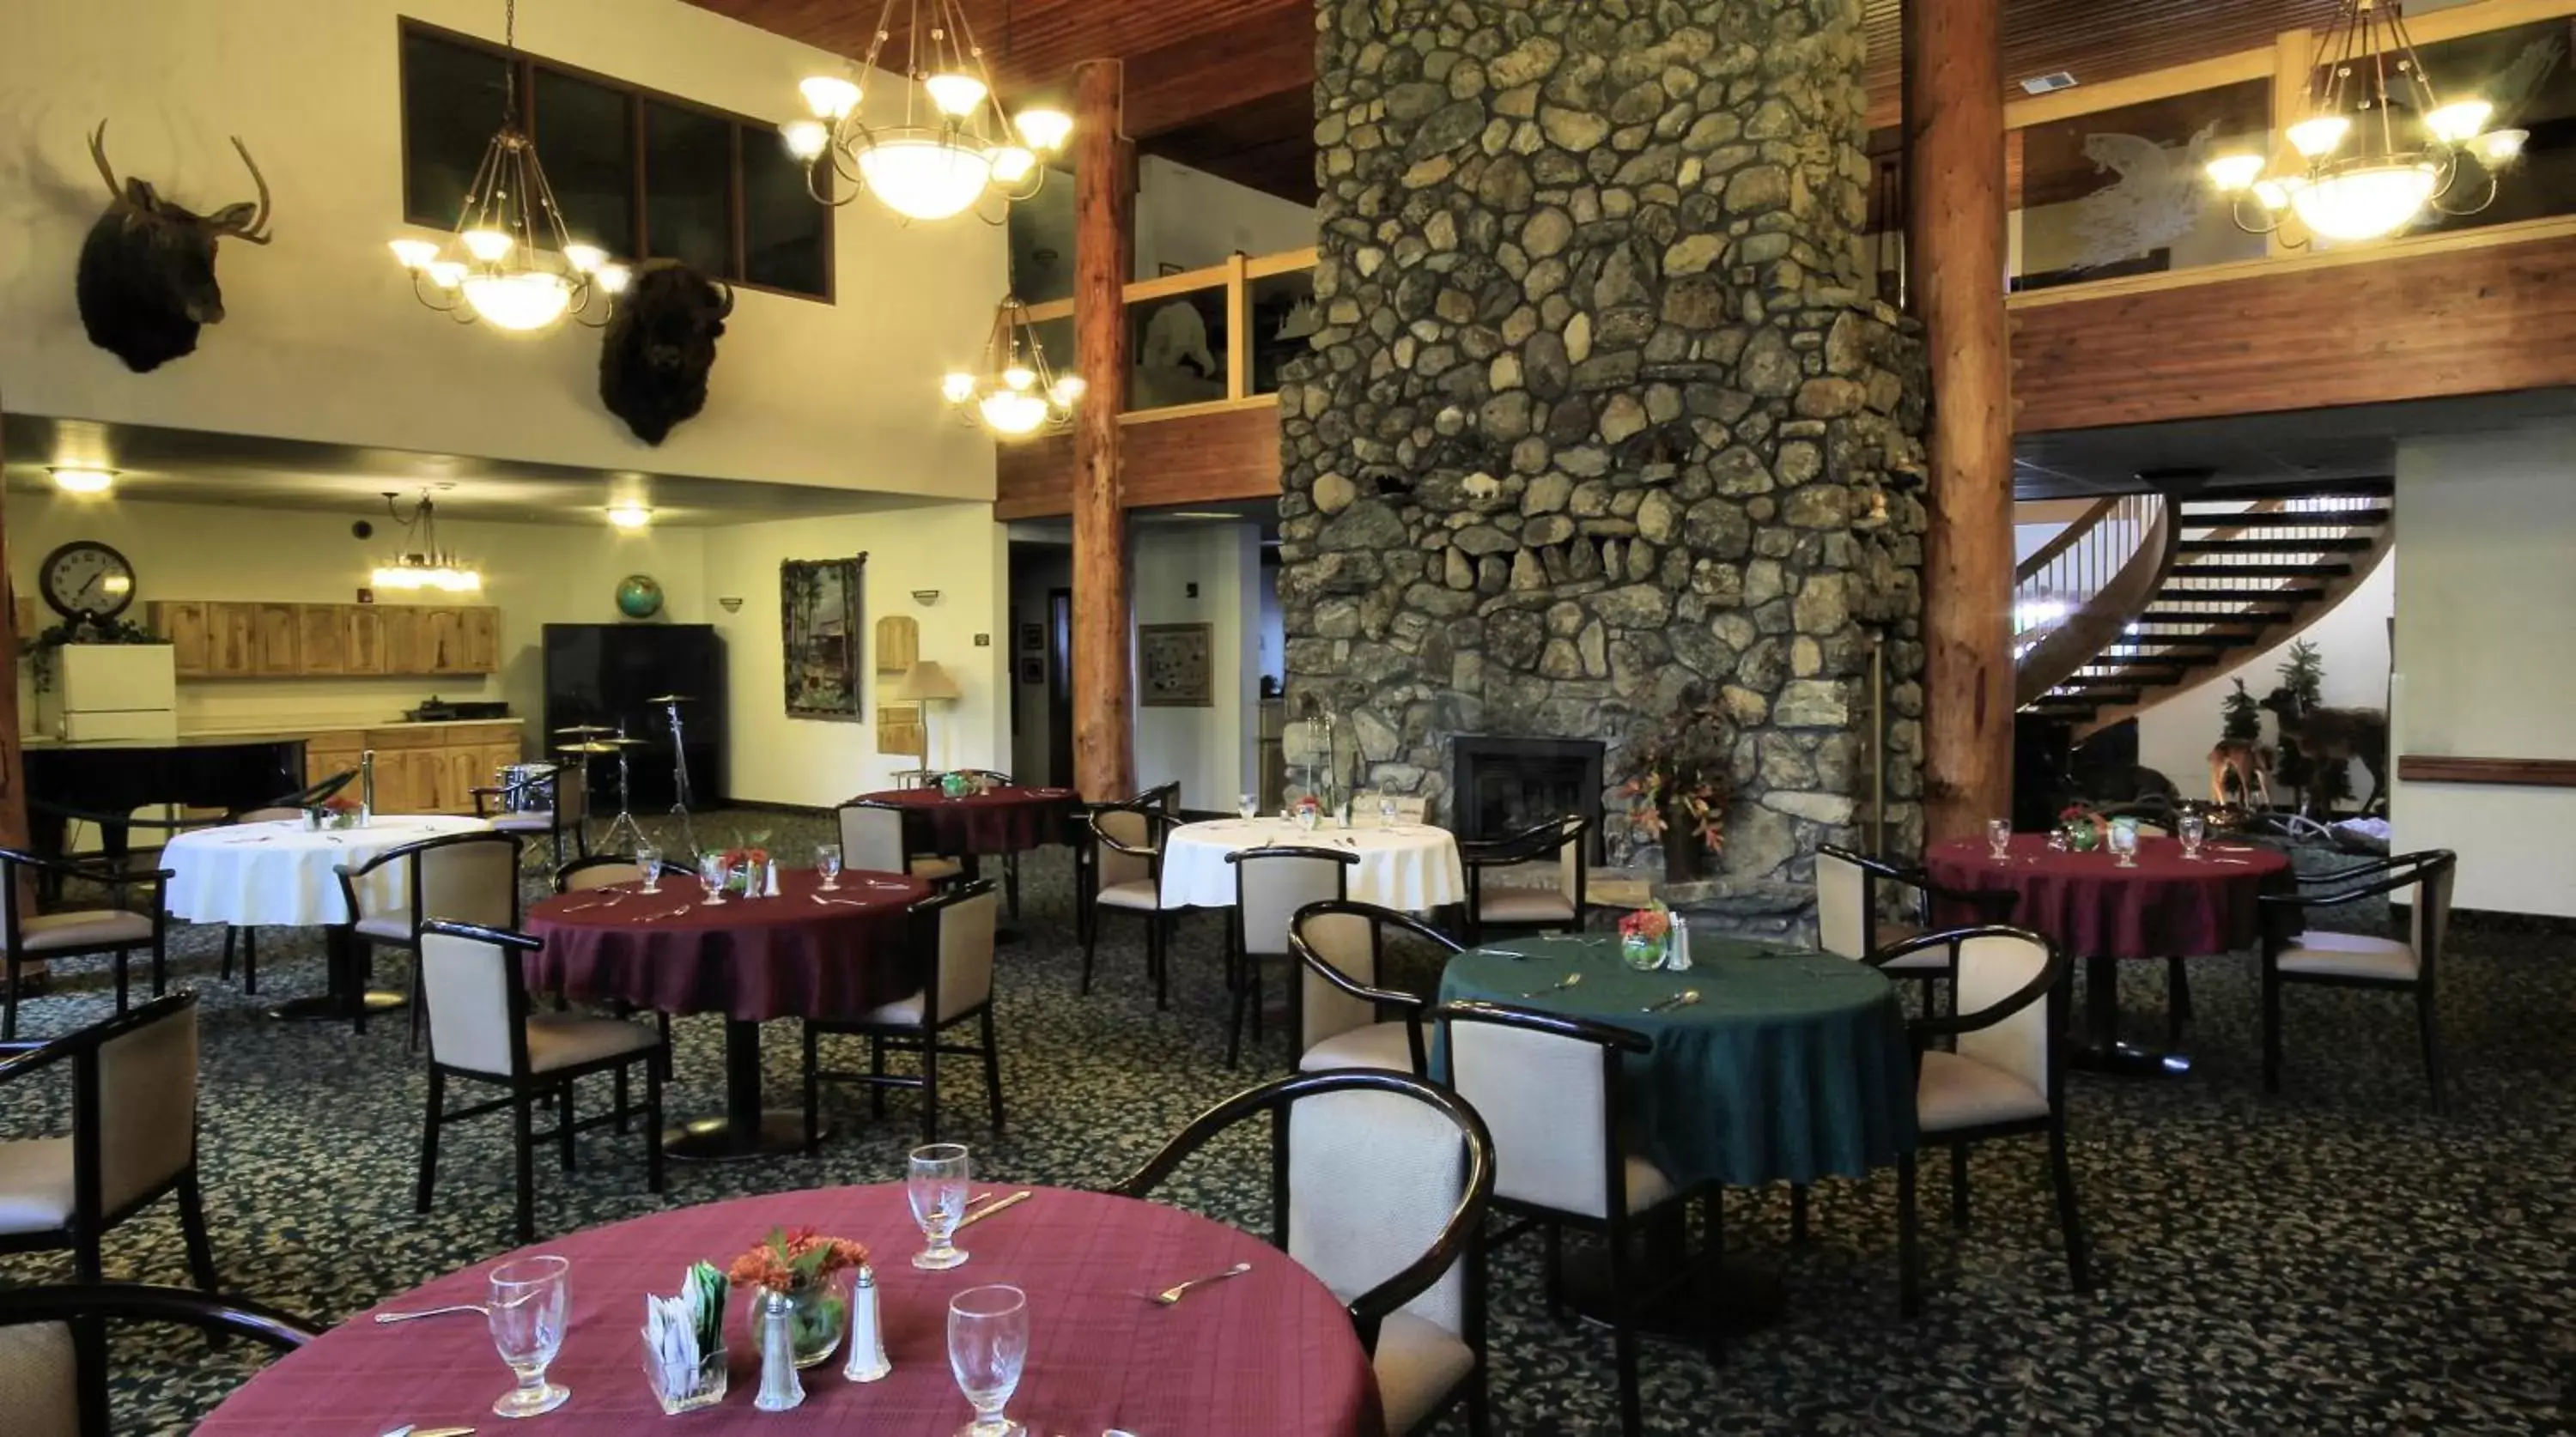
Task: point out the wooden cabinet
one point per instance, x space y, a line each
275 652
232 640
183 623
362 638
482 640
328 753
321 640
225 639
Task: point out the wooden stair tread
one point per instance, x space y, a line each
2272 546
2377 487
2285 519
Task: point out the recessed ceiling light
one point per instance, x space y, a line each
83 481
629 516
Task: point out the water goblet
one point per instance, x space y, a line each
2124 843
1388 811
1248 806
1999 838
648 861
713 874
936 1181
2194 830
988 1342
827 862
529 1299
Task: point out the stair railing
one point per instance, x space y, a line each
2075 594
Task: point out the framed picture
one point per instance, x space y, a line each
1032 638
1176 665
1032 671
1166 268
820 603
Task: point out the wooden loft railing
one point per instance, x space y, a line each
2073 596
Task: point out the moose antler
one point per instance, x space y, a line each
256 231
98 153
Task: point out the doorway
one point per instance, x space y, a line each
1060 688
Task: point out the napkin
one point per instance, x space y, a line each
679 1331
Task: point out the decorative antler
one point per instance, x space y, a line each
98 153
256 231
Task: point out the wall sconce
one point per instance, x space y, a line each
925 597
730 606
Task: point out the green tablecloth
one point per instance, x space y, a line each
1793 1065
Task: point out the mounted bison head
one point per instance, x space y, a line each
147 270
661 342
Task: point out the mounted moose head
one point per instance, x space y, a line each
147 270
660 345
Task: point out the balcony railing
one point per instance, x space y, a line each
1206 339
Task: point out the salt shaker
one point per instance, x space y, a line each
867 1336
769 887
1677 945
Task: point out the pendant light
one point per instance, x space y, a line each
422 564
1015 393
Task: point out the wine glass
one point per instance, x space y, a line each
1999 838
648 860
713 874
2194 830
988 1340
1388 810
2124 842
526 1314
827 862
936 1182
1248 806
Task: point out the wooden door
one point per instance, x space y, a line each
274 650
362 639
328 753
443 641
480 632
426 781
183 623
232 640
321 642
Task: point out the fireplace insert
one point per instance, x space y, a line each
1500 785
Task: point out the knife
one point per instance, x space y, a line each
1014 1200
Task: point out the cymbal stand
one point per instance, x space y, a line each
680 782
623 825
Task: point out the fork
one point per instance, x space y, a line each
393 1317
1179 1290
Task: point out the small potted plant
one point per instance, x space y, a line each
807 1274
1643 935
2081 827
336 811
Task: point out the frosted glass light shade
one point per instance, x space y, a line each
2362 204
1011 412
521 302
955 95
919 177
2459 121
414 253
829 96
613 278
806 139
957 387
486 245
585 258
2320 135
1012 163
2235 172
1068 388
1045 129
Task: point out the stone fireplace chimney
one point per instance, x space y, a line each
1601 420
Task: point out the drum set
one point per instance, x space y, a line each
590 741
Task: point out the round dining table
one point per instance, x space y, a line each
2166 906
281 874
1271 1353
1410 867
807 953
1011 818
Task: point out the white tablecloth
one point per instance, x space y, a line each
1413 867
277 874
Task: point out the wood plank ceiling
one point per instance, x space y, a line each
1206 78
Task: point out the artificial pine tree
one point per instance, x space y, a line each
2240 719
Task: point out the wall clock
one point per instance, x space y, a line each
86 577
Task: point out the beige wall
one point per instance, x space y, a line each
2487 599
1191 219
324 340
1211 750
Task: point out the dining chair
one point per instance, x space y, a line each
1559 843
1162 798
604 870
1378 1186
1851 912
55 1357
80 932
1127 871
877 838
1550 1089
466 877
133 1138
2004 1075
1270 886
2296 953
1347 1018
564 791
480 1028
950 937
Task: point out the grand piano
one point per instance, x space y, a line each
105 780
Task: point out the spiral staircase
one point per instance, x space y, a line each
2147 596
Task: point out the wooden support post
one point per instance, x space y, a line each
13 758
1104 748
1955 241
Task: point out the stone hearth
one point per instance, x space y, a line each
1600 421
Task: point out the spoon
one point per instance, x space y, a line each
1682 999
1569 981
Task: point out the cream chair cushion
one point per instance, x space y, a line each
1272 884
1893 931
39 1386
568 1040
1347 943
1129 827
1544 1099
872 839
1417 1365
1137 894
935 870
87 928
965 965
147 1120
1372 1178
523 822
471 882
392 927
2350 955
602 875
35 1185
1524 905
1956 1092
1991 969
1378 1045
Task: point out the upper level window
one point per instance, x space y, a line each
640 174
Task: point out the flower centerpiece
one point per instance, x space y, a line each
2081 827
1308 811
1677 794
956 785
811 1274
1643 935
746 862
337 811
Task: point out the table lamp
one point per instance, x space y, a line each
925 683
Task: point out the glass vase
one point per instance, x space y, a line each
817 1316
1642 954
773 1333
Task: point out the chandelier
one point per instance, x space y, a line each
422 564
954 145
511 262
2376 146
1015 393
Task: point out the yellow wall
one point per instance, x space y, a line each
324 340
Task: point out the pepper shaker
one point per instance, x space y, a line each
867 1336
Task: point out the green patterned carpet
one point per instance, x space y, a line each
2337 1259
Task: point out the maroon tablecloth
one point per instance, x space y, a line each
1268 1354
1004 820
2166 907
760 958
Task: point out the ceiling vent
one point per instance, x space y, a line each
2049 83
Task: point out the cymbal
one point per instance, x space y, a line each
580 729
601 745
672 699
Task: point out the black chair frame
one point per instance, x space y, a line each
1461 1237
2283 915
558 774
921 938
346 946
84 1236
1390 1004
1630 1289
1242 966
1158 921
12 914
1086 854
527 1088
1542 840
88 1307
2050 987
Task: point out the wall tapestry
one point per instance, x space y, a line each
1176 665
819 621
